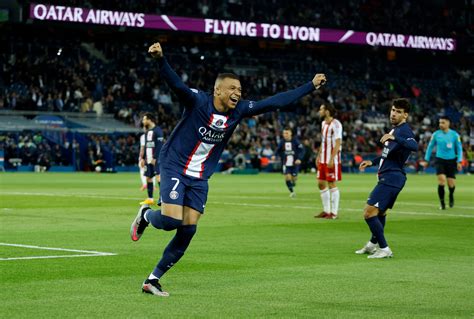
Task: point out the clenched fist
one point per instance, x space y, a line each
319 80
155 50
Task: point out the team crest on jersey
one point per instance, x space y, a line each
218 122
174 195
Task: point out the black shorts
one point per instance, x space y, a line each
446 167
151 170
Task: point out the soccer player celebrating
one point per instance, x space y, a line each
190 156
328 161
153 144
290 151
398 144
448 158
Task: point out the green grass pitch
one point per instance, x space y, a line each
257 253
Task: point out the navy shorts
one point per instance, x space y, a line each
383 196
151 170
292 170
183 190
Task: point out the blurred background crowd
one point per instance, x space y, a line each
104 72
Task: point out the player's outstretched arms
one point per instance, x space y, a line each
285 98
184 93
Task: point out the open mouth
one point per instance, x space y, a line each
234 100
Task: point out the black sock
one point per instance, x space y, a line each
175 249
149 187
441 193
377 230
451 193
289 184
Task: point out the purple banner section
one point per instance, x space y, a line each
237 28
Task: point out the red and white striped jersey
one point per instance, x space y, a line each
330 132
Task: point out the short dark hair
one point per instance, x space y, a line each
329 107
149 116
445 117
222 76
287 128
403 104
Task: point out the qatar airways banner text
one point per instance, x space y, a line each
237 28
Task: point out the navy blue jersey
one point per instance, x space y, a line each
395 155
153 144
196 143
290 151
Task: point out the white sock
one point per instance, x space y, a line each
151 277
142 177
385 249
334 200
325 198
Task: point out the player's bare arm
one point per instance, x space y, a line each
155 50
334 153
319 80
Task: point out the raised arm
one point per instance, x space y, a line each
185 94
280 100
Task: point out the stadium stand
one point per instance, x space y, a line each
103 75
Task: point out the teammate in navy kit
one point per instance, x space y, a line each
153 144
398 144
191 154
290 151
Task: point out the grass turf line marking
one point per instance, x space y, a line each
84 253
346 209
229 196
255 205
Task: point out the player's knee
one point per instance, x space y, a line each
370 212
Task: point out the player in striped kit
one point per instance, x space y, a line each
290 151
141 163
191 154
153 142
328 161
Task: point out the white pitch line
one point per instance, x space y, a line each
88 253
347 209
256 205
229 196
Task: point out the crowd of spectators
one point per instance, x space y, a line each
57 74
33 149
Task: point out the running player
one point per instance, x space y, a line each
190 156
